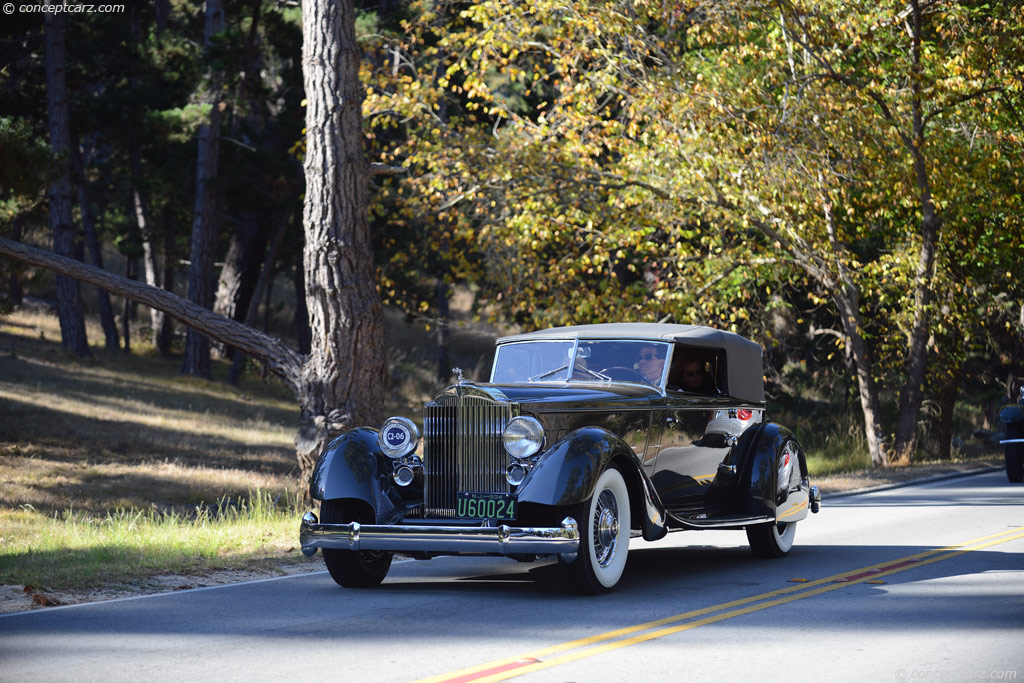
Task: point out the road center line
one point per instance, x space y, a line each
587 647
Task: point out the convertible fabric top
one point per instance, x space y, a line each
743 357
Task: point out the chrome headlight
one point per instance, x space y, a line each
398 437
523 436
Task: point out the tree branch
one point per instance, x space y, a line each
279 358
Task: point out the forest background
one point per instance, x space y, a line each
838 181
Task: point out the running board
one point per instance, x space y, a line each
719 521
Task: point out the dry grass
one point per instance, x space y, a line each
89 445
121 431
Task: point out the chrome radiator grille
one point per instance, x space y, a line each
462 450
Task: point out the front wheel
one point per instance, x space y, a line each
352 568
604 536
771 540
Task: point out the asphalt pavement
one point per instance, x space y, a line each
924 582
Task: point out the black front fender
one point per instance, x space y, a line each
567 473
353 467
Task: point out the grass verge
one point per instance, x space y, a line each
116 468
73 550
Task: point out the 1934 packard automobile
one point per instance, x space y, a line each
584 437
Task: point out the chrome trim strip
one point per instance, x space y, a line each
503 540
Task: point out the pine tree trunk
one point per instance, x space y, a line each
300 320
238 277
69 300
205 226
14 284
163 334
346 372
238 361
111 338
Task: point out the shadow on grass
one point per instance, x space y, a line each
101 440
166 391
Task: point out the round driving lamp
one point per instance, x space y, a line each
523 436
515 473
398 437
403 475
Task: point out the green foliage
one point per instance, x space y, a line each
28 164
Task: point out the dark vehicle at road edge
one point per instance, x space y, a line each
1012 416
584 438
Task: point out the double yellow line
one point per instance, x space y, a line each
511 667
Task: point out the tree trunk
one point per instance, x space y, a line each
17 293
69 300
145 224
847 301
345 375
164 334
300 320
128 313
938 433
111 338
241 269
281 360
238 361
917 351
205 226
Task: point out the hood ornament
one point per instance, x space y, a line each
458 375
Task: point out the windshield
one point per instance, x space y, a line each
639 362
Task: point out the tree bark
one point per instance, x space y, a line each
300 320
111 338
205 224
938 433
346 373
281 360
69 300
917 348
17 293
238 361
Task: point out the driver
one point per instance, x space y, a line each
651 364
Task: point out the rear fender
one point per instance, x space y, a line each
354 467
775 475
566 474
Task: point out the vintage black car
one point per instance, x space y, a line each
584 438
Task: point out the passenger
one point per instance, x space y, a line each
695 379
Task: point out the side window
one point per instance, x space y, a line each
697 371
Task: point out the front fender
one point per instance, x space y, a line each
567 473
354 467
776 475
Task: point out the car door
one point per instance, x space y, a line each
690 455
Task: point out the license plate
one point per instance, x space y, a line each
485 505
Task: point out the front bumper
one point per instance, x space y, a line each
500 540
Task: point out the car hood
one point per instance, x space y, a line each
545 394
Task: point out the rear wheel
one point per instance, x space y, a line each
604 536
771 540
1014 464
353 568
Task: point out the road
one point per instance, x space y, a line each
921 583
